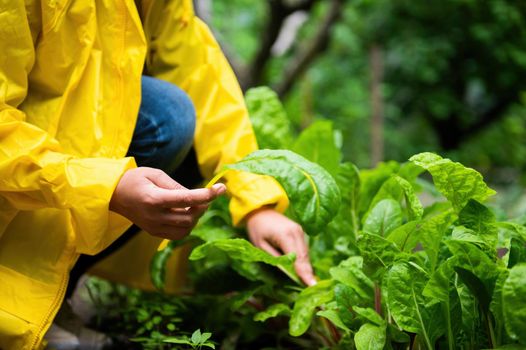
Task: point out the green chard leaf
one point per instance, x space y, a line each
370 315
334 317
470 313
346 299
396 335
407 236
475 268
346 222
398 188
317 144
203 231
413 204
370 337
384 217
313 192
269 119
408 305
441 282
517 253
518 230
428 231
376 249
252 271
159 260
470 257
463 234
350 273
514 303
372 180
308 300
441 288
456 182
209 233
481 220
241 249
452 311
512 243
410 171
497 302
272 311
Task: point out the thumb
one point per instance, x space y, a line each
162 180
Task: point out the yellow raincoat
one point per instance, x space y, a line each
69 96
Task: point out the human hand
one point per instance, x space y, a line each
276 234
158 204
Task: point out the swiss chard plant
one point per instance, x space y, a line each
408 256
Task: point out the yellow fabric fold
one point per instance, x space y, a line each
182 50
69 95
250 192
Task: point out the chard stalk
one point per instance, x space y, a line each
378 299
489 325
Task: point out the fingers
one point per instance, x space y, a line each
268 248
183 198
275 233
198 210
302 263
158 204
293 241
172 232
161 179
183 219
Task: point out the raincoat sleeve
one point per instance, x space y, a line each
182 50
34 171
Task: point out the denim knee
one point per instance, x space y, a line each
165 126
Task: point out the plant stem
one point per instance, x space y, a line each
424 333
445 308
216 178
335 335
489 325
354 219
377 299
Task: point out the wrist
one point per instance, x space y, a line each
261 210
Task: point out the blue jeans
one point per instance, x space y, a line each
162 139
165 126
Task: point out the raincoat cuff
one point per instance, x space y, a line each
250 192
97 226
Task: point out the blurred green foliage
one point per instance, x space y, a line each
454 76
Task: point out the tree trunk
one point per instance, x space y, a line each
376 67
315 46
307 108
203 9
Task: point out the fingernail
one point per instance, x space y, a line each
219 187
312 282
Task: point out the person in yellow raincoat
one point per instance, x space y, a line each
70 91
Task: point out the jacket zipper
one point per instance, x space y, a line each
55 306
